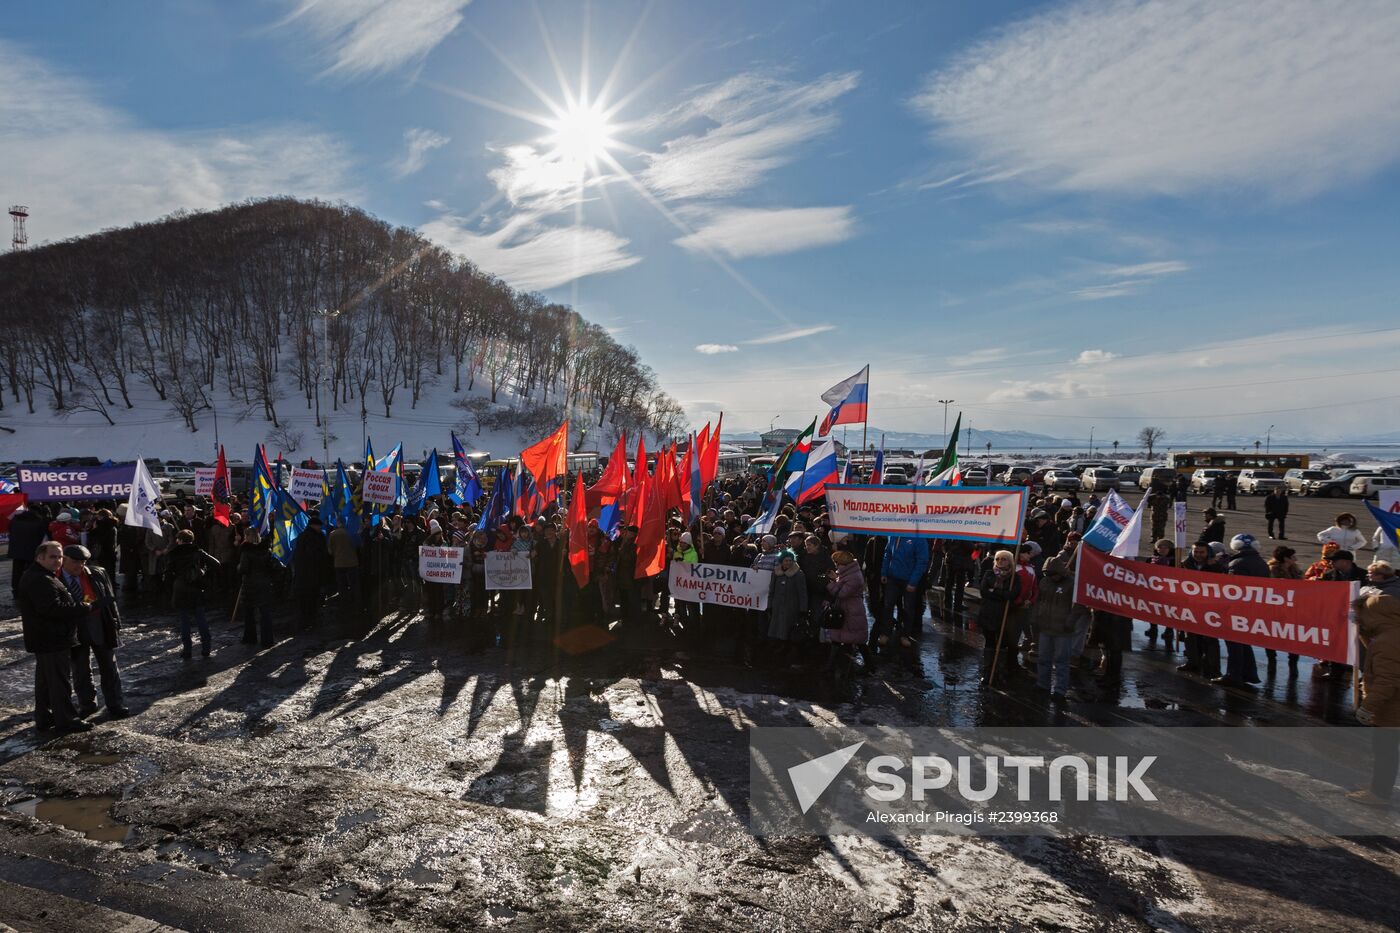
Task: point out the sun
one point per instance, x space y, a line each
581 136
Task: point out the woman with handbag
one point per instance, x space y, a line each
844 620
190 569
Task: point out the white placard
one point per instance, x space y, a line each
1180 524
306 485
440 564
957 512
508 570
719 585
379 488
204 481
1389 501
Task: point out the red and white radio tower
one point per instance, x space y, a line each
20 239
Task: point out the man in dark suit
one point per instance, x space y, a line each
50 617
97 633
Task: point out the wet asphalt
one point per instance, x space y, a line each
374 774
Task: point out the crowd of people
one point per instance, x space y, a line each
841 605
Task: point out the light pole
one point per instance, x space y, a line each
325 314
773 422
1268 436
215 412
1091 442
945 402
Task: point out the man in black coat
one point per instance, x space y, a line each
97 633
28 529
1276 510
311 567
50 620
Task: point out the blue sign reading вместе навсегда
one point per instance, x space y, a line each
67 483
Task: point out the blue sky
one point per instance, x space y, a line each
1057 214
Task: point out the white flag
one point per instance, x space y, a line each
143 505
1130 538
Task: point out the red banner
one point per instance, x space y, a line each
10 502
1304 617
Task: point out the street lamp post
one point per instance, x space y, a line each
773 422
1268 436
945 402
1091 442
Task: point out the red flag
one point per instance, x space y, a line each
578 533
683 474
614 479
220 492
549 458
651 539
709 467
10 503
639 468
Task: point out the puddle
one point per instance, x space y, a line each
91 816
343 895
423 876
90 758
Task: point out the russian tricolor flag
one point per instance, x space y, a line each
821 469
847 400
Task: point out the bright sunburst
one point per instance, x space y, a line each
581 136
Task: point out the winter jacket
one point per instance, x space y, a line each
49 613
1248 563
1383 544
1275 506
996 591
846 586
1348 539
27 531
220 539
1215 531
906 559
342 549
186 562
259 571
1052 611
311 562
1378 620
101 625
787 602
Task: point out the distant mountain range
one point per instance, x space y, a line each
1023 441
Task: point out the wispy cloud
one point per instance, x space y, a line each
1147 269
418 142
1026 391
756 124
84 165
1111 290
1290 97
530 255
1094 357
1129 279
710 349
365 37
742 231
795 334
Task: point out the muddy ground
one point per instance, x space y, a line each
378 774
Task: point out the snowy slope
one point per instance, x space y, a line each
152 430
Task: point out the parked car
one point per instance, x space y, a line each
180 485
1203 480
1337 486
1259 482
1296 480
1017 476
1369 487
1098 479
977 476
1061 480
1165 475
895 478
1128 475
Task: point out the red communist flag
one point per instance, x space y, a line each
578 533
651 537
549 458
220 493
614 479
709 466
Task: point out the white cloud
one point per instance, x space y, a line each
1027 391
754 124
370 37
418 143
1171 96
530 255
1111 290
1147 268
709 349
1094 357
742 231
795 334
81 165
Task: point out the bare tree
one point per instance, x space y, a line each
1149 437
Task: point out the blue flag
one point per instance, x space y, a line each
429 484
1390 524
467 489
288 522
499 505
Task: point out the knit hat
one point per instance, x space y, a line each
434 526
686 538
1343 555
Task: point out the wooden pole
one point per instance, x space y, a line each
238 598
1005 614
